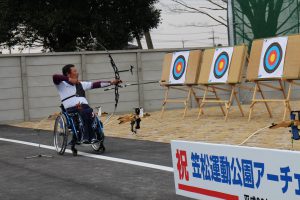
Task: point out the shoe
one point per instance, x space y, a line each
85 142
94 141
74 151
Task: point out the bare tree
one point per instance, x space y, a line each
182 6
259 17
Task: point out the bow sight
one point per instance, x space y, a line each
128 70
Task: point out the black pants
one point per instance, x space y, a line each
86 113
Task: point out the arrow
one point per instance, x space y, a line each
131 84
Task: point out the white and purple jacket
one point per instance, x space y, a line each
71 94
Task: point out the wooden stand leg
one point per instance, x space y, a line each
195 96
238 102
253 102
187 102
229 103
282 89
289 95
217 97
202 102
287 101
263 97
165 102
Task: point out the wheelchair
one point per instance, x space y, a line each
71 124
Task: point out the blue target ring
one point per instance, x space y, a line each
179 67
221 65
272 57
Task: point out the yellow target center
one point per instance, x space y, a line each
221 66
179 67
272 58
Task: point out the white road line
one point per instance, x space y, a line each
119 160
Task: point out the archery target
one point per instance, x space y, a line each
178 67
272 58
220 65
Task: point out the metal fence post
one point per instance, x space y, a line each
24 87
140 78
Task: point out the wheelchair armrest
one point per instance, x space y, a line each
62 108
70 114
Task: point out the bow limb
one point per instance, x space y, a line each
117 77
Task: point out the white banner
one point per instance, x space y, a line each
220 65
178 67
272 58
212 171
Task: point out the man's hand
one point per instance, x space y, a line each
73 80
115 82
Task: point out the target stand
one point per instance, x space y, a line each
274 66
221 73
179 74
212 89
186 101
259 85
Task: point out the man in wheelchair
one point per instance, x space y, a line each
72 95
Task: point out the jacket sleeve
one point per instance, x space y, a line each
100 84
57 78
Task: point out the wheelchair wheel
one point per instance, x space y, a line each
60 134
99 146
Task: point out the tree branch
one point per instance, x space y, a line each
288 29
198 11
217 5
245 5
247 25
291 14
282 9
222 18
244 36
211 8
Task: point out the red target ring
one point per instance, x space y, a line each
179 67
221 65
273 57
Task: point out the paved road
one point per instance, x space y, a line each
67 177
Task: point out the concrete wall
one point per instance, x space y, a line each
27 91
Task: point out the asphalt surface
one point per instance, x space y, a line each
67 177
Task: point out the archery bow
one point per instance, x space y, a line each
117 77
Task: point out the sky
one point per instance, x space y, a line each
175 30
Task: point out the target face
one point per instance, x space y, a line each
272 58
178 67
221 65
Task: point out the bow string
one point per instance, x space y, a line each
117 77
